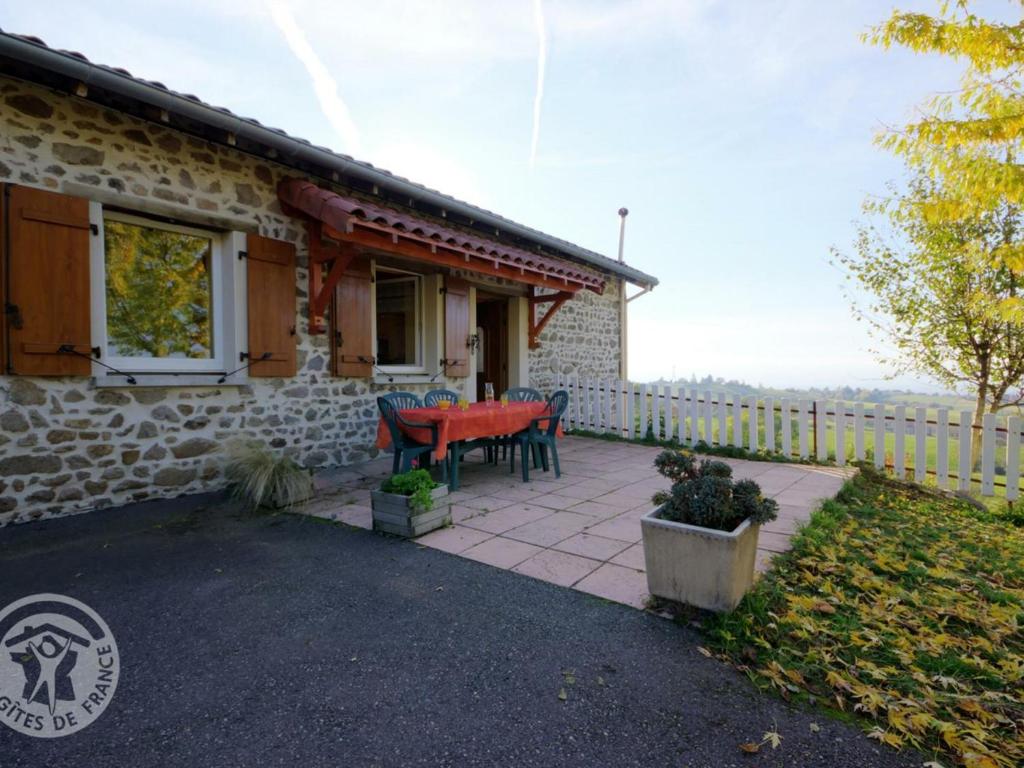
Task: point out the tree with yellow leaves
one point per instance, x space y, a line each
971 139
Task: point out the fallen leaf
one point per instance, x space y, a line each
823 607
562 695
600 680
704 650
750 748
772 737
815 727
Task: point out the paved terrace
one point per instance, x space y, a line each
583 529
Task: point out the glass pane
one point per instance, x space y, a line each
396 321
159 287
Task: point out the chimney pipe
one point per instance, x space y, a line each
623 213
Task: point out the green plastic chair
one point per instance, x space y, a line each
406 449
524 395
435 396
541 435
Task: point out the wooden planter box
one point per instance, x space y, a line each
698 566
392 513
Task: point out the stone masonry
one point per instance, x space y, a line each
68 446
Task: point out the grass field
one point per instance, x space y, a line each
899 609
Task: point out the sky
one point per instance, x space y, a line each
739 133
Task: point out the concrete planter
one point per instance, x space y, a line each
698 566
392 513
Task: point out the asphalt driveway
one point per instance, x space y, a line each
280 640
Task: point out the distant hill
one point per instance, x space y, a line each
850 394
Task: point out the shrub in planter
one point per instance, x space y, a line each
704 494
410 504
263 479
700 542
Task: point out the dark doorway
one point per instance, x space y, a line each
492 327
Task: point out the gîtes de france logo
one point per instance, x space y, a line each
58 665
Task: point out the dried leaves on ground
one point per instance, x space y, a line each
900 608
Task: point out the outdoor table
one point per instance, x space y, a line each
480 420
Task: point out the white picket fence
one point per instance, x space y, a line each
898 439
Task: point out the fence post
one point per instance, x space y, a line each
814 428
942 448
643 412
769 425
752 423
681 415
821 431
630 409
840 433
1012 458
858 431
988 454
879 425
965 468
920 438
723 419
801 418
709 436
899 449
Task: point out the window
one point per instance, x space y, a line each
399 321
158 296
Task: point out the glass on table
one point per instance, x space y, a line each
504 399
489 393
463 404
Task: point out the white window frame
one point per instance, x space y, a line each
419 367
224 298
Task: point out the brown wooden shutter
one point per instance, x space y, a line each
271 306
351 321
48 294
456 326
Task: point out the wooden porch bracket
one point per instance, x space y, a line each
324 251
536 326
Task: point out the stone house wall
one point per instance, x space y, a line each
67 446
582 339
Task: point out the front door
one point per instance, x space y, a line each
492 358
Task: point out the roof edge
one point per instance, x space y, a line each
290 148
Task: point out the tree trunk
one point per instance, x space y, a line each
979 414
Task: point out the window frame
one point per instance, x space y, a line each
420 366
223 342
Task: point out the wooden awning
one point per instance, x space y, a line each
349 220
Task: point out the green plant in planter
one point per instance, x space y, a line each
417 484
259 476
704 494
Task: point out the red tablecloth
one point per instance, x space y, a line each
481 420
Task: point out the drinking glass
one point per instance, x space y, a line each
463 404
504 399
489 393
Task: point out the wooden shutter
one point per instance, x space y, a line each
352 321
456 326
48 291
271 306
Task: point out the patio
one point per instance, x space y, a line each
583 529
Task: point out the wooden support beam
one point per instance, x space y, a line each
321 253
535 327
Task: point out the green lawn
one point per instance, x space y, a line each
901 609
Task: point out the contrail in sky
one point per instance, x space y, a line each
332 105
542 60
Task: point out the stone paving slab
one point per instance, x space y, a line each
581 530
